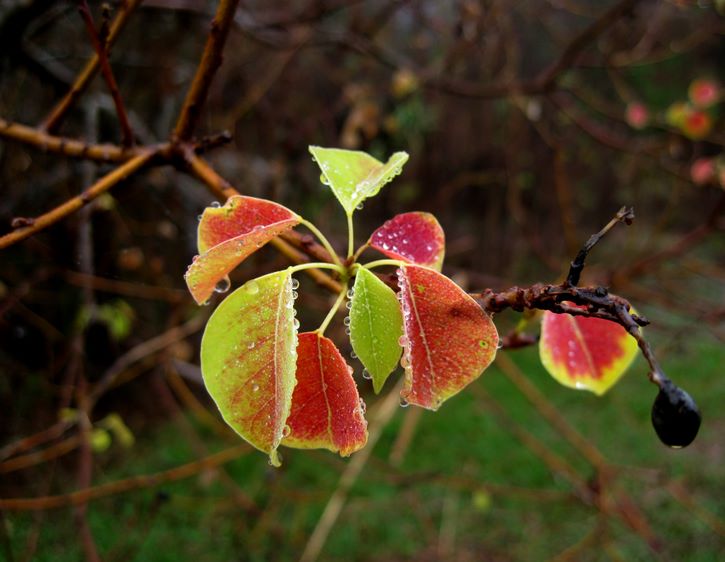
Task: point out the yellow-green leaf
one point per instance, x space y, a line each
353 175
248 357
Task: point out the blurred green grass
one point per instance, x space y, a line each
467 488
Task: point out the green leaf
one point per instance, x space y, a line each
376 325
353 175
248 357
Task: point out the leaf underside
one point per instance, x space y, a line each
449 339
327 412
229 234
354 175
248 357
412 237
585 353
376 325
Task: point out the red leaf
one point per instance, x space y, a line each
327 411
228 234
413 237
585 353
449 340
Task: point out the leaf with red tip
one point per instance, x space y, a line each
449 340
228 234
327 412
412 237
248 355
585 353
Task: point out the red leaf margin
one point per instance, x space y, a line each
227 235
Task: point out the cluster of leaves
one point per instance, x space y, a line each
277 386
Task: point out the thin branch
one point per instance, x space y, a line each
120 486
33 225
58 113
66 146
99 44
210 62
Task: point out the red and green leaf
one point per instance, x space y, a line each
327 412
248 355
449 340
228 234
412 237
585 353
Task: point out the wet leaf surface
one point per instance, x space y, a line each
327 412
229 234
353 175
376 325
449 340
413 237
248 359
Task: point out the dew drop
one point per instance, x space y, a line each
295 284
348 305
286 430
347 331
215 204
403 402
363 408
251 287
402 341
296 324
353 354
359 207
223 285
198 217
350 293
255 388
346 321
366 375
295 294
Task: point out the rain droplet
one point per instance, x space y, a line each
346 321
348 305
198 217
366 375
215 204
295 283
295 294
347 331
403 402
223 285
286 430
353 354
402 341
252 288
296 324
363 408
359 207
350 293
255 388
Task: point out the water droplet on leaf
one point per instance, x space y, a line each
223 285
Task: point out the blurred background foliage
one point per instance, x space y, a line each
518 178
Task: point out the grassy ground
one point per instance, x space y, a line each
467 488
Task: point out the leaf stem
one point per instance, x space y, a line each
323 240
331 314
350 236
317 265
379 263
359 251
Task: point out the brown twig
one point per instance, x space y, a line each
71 205
99 44
120 486
211 60
58 113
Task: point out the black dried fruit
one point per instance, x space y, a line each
675 416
